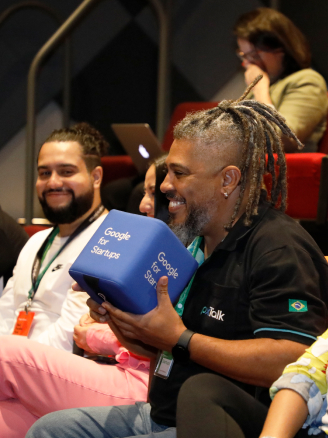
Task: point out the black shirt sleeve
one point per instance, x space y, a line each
286 296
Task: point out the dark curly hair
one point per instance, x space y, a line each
94 146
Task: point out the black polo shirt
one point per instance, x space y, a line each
269 280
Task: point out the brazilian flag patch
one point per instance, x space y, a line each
298 306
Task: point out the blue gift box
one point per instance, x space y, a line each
124 259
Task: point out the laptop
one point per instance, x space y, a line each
139 142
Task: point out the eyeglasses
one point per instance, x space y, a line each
250 56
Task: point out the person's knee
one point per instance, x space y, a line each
41 428
190 390
205 387
199 410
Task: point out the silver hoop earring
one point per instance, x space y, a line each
225 194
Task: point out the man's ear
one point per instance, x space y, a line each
231 176
97 174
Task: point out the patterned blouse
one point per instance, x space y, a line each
307 376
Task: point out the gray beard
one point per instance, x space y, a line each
193 226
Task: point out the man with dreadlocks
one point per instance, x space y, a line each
257 299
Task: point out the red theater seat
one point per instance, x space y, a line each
117 166
32 229
303 181
307 177
178 114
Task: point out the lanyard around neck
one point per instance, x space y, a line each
41 254
194 249
49 243
36 275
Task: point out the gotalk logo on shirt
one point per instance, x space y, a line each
216 314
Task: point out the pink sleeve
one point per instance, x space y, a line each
127 360
102 340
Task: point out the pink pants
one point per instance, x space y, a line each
36 379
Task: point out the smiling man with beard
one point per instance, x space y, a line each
68 188
256 301
196 219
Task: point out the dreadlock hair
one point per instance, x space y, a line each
252 127
94 146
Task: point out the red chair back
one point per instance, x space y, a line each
178 114
116 167
32 229
303 182
323 144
